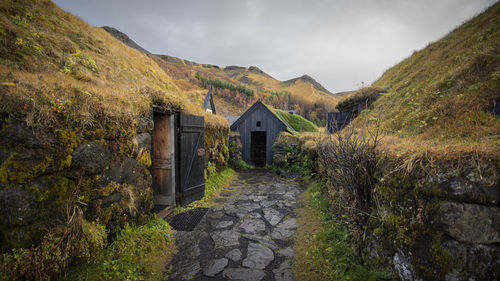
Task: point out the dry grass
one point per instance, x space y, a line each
309 225
58 71
444 92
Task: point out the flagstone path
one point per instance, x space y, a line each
246 237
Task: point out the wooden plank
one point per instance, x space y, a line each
162 162
191 158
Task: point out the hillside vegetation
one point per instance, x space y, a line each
445 92
304 94
56 70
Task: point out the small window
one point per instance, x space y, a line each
258 123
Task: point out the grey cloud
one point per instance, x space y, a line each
340 43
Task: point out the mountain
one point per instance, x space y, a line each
124 38
303 93
307 79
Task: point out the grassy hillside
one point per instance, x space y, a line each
303 94
58 71
296 122
445 92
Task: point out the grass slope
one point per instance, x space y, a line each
444 92
296 122
58 71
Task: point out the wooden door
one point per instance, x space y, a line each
163 153
191 158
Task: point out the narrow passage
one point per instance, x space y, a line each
247 236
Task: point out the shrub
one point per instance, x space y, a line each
353 165
77 241
138 253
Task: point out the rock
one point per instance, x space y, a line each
288 224
254 215
234 255
264 240
258 256
289 196
18 205
287 252
146 124
128 172
144 141
191 270
403 268
252 226
243 274
24 225
257 198
461 189
248 207
18 133
215 214
280 233
272 216
470 223
473 261
223 224
215 267
186 270
114 197
91 158
241 197
234 212
225 238
268 203
216 208
284 272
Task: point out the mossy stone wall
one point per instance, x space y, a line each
43 173
429 220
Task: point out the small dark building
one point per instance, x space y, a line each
338 120
258 127
209 105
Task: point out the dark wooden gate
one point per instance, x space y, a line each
191 158
258 143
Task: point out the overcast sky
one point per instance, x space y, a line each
340 43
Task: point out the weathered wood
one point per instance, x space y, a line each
191 161
162 159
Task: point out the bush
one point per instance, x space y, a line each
138 253
353 166
77 241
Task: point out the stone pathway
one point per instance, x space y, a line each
246 237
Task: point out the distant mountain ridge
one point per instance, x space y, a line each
305 92
308 79
232 70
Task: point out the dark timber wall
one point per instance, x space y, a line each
247 124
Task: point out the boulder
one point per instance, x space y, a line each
464 190
473 261
128 172
469 223
91 158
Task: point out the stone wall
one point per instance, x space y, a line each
43 174
216 145
235 148
430 220
104 172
